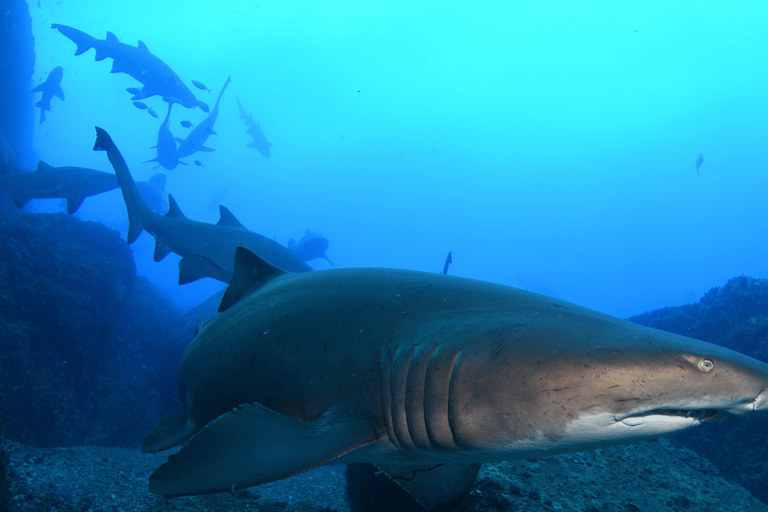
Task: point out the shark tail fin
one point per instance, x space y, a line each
138 210
83 41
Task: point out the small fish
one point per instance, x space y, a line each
699 161
203 106
153 113
186 124
133 90
198 163
139 104
200 85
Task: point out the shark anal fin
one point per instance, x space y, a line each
73 203
435 487
253 445
171 430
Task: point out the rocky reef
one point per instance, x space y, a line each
85 342
735 316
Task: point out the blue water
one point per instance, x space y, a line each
549 143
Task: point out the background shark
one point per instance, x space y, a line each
167 154
310 246
195 141
254 130
158 78
71 183
50 88
207 250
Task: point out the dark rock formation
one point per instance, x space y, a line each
734 316
87 358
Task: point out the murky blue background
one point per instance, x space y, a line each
547 144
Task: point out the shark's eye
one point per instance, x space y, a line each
706 365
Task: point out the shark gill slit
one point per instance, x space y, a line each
415 393
398 383
437 397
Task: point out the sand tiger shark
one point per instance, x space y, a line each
50 88
167 152
426 376
254 130
207 250
137 61
195 141
71 183
310 246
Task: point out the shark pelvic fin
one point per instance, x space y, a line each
173 429
251 272
196 266
253 445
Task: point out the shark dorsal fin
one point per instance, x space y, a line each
173 209
42 166
251 273
226 218
291 242
112 38
142 46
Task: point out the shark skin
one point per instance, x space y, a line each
167 152
50 88
195 141
153 192
207 250
310 246
137 61
254 130
426 376
71 183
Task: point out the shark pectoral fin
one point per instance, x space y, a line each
205 148
440 486
253 445
73 203
171 430
59 93
195 266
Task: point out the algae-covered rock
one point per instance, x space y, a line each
82 338
734 316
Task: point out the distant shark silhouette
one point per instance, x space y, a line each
195 141
50 88
699 161
153 192
158 78
71 183
310 246
167 153
207 250
254 130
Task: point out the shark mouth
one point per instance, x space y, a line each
698 414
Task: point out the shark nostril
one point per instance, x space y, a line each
706 365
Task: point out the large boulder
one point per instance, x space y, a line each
734 316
